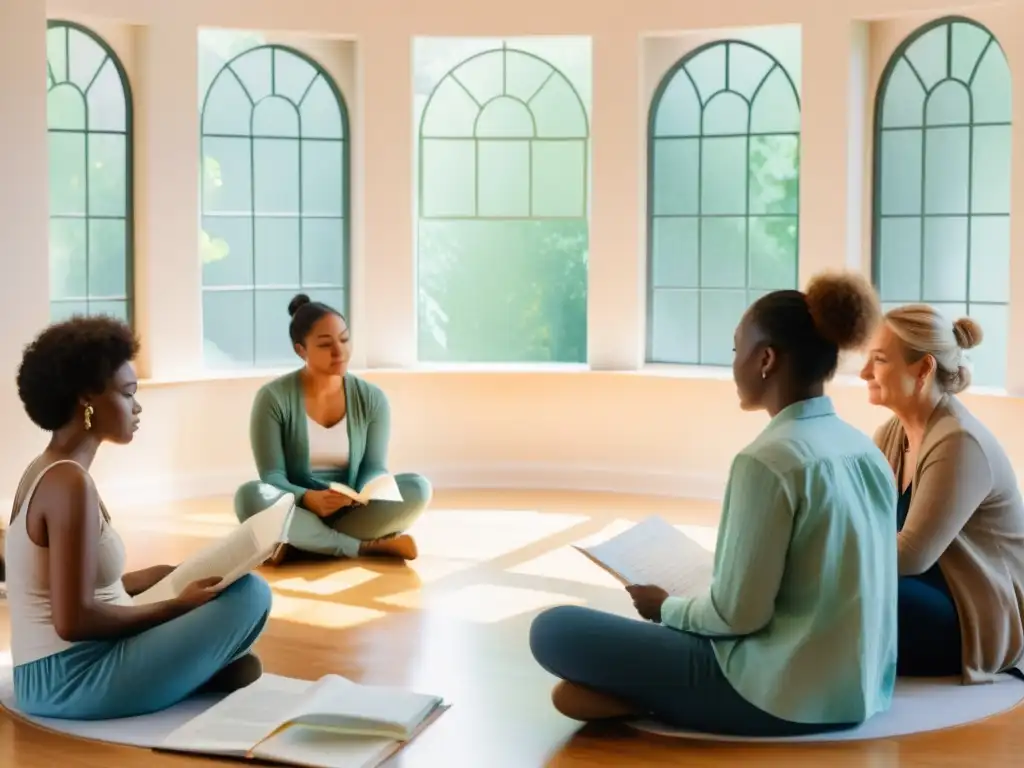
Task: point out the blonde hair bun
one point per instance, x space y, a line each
968 333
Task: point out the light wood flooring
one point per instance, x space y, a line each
455 623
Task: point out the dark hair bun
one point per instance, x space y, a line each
844 307
299 300
968 333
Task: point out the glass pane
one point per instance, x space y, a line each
332 297
559 178
451 112
108 262
949 104
673 328
65 109
947 165
67 259
276 176
723 253
723 176
900 172
227 109
773 252
675 172
56 52
558 112
992 88
774 165
945 259
775 108
227 175
678 110
990 181
227 256
277 251
707 68
903 104
324 259
65 310
899 260
116 309
108 176
292 76
505 118
107 101
482 75
254 70
989 357
725 115
748 66
275 117
969 41
84 59
504 178
990 258
273 346
674 252
928 55
228 328
321 112
323 178
448 178
720 313
524 75
67 173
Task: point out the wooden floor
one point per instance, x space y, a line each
455 623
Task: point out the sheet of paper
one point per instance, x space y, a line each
380 488
395 712
241 720
653 552
314 748
240 552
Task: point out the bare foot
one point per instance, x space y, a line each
579 703
402 546
241 672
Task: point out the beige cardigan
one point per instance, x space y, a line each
966 512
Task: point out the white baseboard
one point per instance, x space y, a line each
138 493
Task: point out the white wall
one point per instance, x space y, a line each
616 425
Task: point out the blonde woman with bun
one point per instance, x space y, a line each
960 515
797 634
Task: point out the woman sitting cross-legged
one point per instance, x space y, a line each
320 425
81 648
960 514
798 632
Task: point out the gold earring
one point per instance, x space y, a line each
88 417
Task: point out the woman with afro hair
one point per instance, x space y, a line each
797 633
81 648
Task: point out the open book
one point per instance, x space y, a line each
655 553
330 723
243 550
380 488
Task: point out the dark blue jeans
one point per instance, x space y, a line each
672 676
929 630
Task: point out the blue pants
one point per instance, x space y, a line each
929 630
673 677
341 534
150 671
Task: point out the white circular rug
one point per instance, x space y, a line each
918 706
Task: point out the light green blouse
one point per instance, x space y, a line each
802 607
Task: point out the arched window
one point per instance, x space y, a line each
942 181
275 202
503 213
89 121
723 198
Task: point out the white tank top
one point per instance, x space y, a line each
33 635
328 446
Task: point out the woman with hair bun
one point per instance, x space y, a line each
797 634
960 515
318 425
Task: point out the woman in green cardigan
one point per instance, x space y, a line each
318 425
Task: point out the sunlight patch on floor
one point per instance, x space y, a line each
484 603
330 584
567 564
484 534
320 613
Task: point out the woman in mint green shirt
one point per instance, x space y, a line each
798 632
320 425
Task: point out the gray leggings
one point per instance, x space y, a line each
341 534
673 677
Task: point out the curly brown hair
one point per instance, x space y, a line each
68 361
